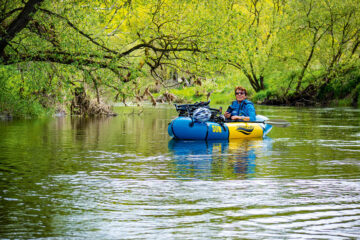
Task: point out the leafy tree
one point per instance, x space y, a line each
112 40
324 36
53 49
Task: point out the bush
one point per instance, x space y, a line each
342 86
11 101
263 95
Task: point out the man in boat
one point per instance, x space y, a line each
241 108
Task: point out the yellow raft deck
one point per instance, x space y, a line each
244 130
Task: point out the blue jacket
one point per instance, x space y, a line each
245 108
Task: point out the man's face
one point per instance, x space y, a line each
240 95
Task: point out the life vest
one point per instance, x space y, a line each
245 108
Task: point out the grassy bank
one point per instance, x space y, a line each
19 98
343 90
218 89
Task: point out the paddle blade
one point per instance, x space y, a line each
278 123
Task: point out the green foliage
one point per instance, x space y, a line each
14 98
220 86
344 86
116 49
262 95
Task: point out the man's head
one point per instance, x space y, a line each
240 93
240 89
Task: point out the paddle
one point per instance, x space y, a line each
277 123
273 122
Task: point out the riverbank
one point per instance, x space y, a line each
342 90
350 100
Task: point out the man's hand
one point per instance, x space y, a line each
240 118
227 114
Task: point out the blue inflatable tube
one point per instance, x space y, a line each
186 128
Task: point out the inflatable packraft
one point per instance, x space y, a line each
199 122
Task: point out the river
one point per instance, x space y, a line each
124 178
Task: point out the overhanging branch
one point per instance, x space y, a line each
18 24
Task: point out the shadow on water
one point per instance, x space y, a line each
221 159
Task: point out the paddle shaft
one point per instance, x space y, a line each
227 121
275 122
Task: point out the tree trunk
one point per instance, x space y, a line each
305 67
256 84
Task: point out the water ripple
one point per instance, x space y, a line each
267 208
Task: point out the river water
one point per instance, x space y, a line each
124 178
